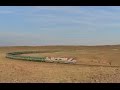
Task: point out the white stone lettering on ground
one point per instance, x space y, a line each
60 60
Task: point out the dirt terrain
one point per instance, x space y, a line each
95 64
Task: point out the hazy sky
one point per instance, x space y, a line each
59 25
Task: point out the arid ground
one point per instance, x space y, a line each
95 64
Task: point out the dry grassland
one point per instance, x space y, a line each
87 69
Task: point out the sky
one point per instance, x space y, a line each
59 25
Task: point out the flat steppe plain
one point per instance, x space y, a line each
95 64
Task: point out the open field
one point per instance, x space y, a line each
87 69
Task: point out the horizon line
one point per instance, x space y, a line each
57 45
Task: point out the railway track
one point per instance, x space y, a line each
16 55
